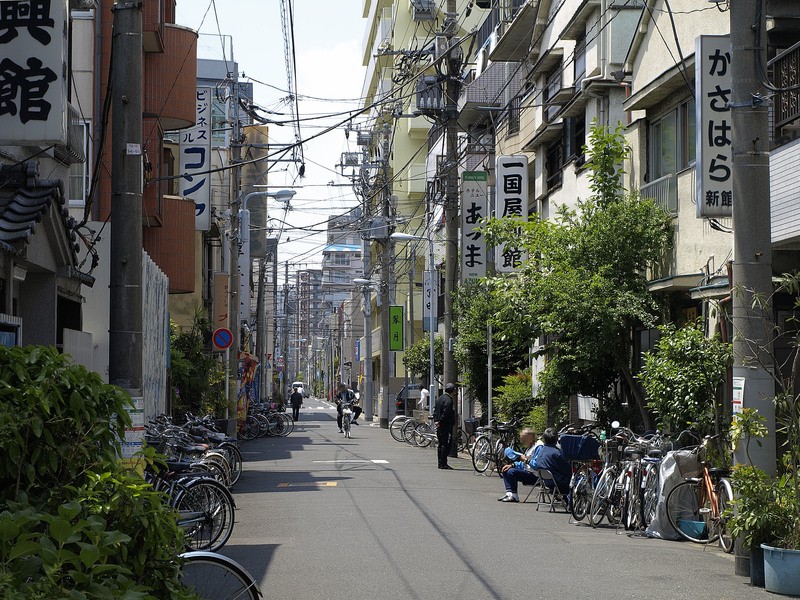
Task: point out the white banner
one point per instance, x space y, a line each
714 126
195 161
511 201
33 73
429 301
474 207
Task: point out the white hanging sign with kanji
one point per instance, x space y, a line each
511 201
474 207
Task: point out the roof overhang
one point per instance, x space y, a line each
545 134
665 85
676 283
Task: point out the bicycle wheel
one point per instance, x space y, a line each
688 510
480 453
633 503
263 424
408 430
581 493
212 498
396 426
288 424
499 456
461 440
724 503
602 491
650 494
235 460
217 577
423 435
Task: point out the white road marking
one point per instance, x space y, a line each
353 460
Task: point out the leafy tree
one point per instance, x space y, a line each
513 400
582 287
417 358
474 306
74 521
682 376
197 378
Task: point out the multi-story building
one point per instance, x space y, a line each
404 51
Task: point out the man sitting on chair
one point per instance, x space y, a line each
543 455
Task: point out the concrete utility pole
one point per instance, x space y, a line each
126 319
752 249
285 382
261 331
452 91
366 402
233 283
386 259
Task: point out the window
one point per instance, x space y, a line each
580 62
672 141
576 138
80 173
551 88
513 115
554 161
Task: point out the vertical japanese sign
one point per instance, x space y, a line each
195 161
511 201
474 207
714 140
396 328
33 72
429 300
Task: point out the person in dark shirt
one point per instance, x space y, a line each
546 456
296 400
444 418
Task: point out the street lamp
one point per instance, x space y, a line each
432 312
367 286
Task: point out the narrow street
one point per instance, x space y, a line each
323 517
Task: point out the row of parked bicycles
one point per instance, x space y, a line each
620 479
265 420
202 466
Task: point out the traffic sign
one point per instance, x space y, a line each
222 338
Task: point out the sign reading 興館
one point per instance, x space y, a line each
474 207
33 72
511 201
714 127
195 161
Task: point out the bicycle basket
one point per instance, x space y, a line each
579 447
611 450
688 463
471 425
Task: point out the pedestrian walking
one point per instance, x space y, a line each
296 400
424 395
444 416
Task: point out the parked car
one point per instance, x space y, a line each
298 385
406 402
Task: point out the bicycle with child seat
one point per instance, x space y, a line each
580 446
696 507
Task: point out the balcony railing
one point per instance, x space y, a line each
785 74
664 191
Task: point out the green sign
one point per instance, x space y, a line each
396 328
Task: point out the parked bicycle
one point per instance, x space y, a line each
491 443
696 506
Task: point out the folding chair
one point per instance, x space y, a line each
548 490
536 486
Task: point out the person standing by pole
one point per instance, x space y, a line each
444 416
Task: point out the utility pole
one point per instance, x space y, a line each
233 273
752 250
126 319
285 380
383 408
452 91
261 331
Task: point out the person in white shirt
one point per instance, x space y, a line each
424 394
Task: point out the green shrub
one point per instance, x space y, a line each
75 522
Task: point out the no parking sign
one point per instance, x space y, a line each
222 338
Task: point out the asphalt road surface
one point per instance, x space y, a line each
324 517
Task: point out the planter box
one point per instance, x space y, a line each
781 570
